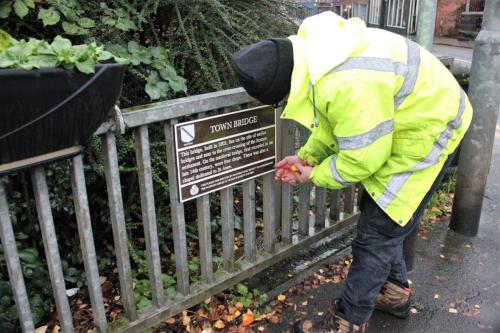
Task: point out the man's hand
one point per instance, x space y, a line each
289 170
286 170
289 161
304 173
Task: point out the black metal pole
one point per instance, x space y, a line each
475 155
383 9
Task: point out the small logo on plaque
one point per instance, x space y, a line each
194 190
187 133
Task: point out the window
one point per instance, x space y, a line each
395 14
375 8
359 10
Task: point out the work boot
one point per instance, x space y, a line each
394 299
331 322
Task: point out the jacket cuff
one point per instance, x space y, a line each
304 155
321 176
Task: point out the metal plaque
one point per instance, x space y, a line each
216 152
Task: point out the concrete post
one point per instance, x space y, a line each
475 155
426 23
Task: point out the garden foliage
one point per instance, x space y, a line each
173 47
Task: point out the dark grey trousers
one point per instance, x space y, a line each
378 254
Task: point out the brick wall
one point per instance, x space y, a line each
448 14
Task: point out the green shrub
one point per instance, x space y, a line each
173 47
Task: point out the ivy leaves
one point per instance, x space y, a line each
72 18
49 16
36 53
114 22
118 18
155 87
20 7
70 15
153 64
4 40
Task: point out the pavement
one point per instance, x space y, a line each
461 51
469 44
456 281
458 53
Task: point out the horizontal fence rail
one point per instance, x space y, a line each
292 218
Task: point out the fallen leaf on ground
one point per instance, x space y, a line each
472 313
41 329
170 321
281 298
219 324
186 320
248 319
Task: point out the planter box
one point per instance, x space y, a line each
49 114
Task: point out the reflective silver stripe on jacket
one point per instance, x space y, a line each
408 70
335 173
413 64
365 139
410 73
397 181
372 64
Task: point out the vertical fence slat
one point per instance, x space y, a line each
349 200
177 212
205 238
277 185
51 248
304 193
14 265
360 194
304 201
320 203
269 212
335 205
87 242
286 213
227 215
117 215
287 146
145 176
249 220
205 233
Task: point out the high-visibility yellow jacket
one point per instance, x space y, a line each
382 111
